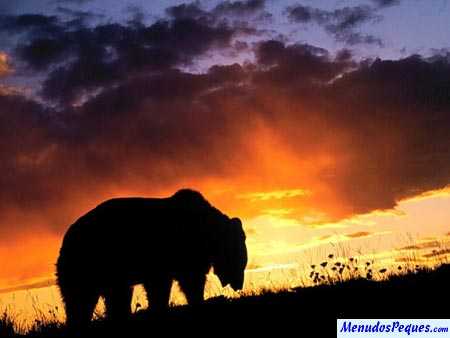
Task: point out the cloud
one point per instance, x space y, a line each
359 234
437 253
78 17
128 118
340 23
40 24
5 65
422 245
310 63
386 3
6 90
24 129
353 170
239 8
71 2
191 10
278 194
84 59
36 285
244 16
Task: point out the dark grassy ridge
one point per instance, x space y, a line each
305 312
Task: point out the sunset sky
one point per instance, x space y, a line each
324 125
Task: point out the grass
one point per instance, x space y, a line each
342 288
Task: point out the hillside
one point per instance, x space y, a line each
422 293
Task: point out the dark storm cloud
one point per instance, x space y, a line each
190 10
350 17
386 3
394 115
302 62
352 38
238 8
130 133
341 18
24 128
37 23
341 23
78 17
26 6
234 11
141 121
71 2
82 58
400 111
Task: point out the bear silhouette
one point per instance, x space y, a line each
151 241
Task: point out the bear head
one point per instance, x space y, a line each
231 259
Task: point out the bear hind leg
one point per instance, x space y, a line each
79 307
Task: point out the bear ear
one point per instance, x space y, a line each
236 224
236 221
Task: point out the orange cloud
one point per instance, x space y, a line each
277 194
5 65
437 253
359 234
36 285
28 260
422 245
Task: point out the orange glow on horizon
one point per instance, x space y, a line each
292 217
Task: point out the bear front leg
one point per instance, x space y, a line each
158 293
193 287
118 302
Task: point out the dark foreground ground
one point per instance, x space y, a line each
303 312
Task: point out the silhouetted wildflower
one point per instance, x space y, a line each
399 267
383 270
351 259
334 268
313 266
324 264
330 256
